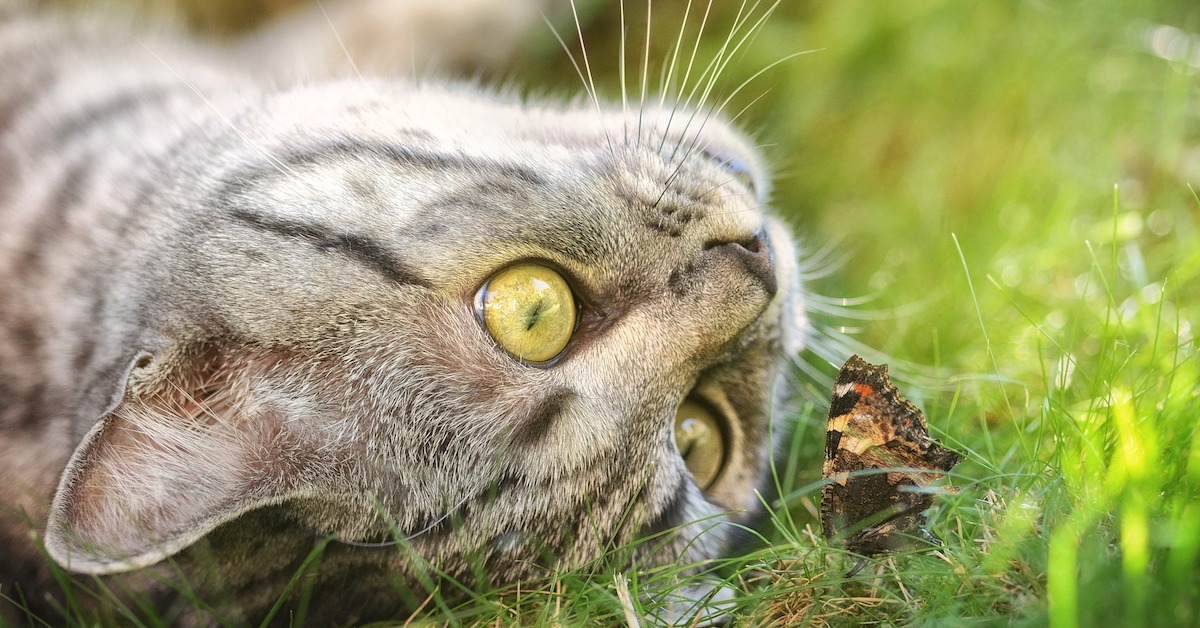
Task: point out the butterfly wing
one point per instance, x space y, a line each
878 457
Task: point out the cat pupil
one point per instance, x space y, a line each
531 320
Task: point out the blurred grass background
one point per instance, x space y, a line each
1008 188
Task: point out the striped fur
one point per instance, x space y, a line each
236 323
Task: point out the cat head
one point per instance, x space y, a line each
463 322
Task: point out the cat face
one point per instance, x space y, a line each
337 328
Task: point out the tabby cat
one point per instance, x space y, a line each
442 332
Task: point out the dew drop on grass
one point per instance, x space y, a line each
1160 222
1085 286
1055 320
1128 309
1011 275
1152 293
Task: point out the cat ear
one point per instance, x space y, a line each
167 465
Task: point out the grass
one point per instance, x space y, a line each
1008 186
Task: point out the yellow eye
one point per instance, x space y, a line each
700 442
529 310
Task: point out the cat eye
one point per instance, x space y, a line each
700 442
529 310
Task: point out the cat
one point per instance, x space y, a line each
435 331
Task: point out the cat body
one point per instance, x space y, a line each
239 319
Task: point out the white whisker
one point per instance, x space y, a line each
279 165
645 74
338 37
759 73
743 110
739 20
621 71
671 68
591 82
717 68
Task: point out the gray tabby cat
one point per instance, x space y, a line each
433 329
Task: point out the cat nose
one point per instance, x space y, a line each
755 255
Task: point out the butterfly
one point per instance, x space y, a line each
878 459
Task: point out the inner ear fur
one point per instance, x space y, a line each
190 446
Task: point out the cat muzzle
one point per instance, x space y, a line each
756 256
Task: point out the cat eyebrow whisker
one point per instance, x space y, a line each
716 108
587 86
621 75
725 102
706 78
338 37
280 166
645 74
591 81
716 67
686 155
743 110
687 74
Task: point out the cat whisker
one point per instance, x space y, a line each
834 345
757 74
671 68
822 262
588 86
808 387
621 77
720 62
709 78
743 110
591 82
645 74
679 164
706 78
338 37
271 159
711 193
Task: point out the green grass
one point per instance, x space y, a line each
1009 186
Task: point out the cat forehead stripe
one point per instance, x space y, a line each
334 150
361 249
